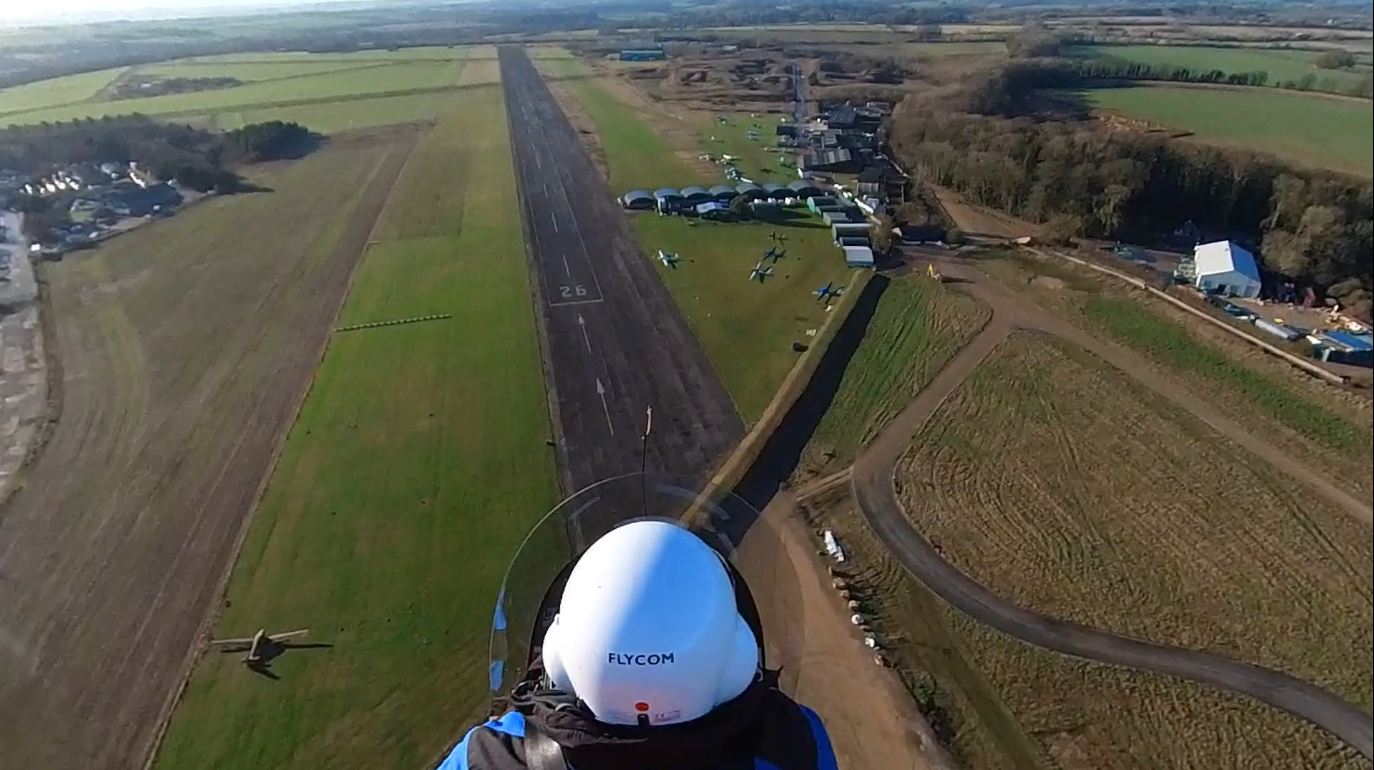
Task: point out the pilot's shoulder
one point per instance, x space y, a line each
794 737
489 746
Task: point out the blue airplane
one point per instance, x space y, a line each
774 253
827 291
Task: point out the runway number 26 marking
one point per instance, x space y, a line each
569 292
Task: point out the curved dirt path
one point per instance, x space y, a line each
873 490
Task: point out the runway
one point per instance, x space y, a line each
614 342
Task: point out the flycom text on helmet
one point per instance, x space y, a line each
622 659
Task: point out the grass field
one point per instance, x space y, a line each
1308 130
636 156
560 67
1055 481
1307 420
747 328
732 138
336 116
1281 64
408 481
184 345
55 91
918 326
254 71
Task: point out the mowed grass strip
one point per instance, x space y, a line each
1065 488
55 92
383 80
409 479
747 328
636 156
1319 131
918 326
334 117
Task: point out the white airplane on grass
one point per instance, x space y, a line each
668 258
760 272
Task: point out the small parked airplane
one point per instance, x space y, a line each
760 272
827 291
260 647
775 235
668 258
774 253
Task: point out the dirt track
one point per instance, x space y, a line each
180 376
873 489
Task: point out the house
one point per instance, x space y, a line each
1223 267
872 181
637 199
858 256
834 161
642 52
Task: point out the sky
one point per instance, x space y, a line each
18 11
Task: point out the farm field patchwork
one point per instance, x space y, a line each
253 71
1281 64
1061 485
918 326
1309 130
1306 419
559 67
409 479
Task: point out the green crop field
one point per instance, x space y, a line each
392 80
558 68
747 328
1279 63
918 326
1309 130
55 92
253 71
336 116
408 480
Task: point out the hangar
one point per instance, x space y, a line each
805 189
637 199
777 191
1224 267
667 199
751 191
723 193
695 194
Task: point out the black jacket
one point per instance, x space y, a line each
762 729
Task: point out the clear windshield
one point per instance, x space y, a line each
753 544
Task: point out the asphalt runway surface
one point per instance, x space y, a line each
877 500
614 343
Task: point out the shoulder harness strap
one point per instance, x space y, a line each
541 751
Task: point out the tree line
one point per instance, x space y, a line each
1312 227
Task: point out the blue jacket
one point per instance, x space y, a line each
492 746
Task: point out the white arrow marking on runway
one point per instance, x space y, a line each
601 391
582 322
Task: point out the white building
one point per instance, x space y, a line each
1225 268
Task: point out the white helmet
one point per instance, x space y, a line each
648 631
